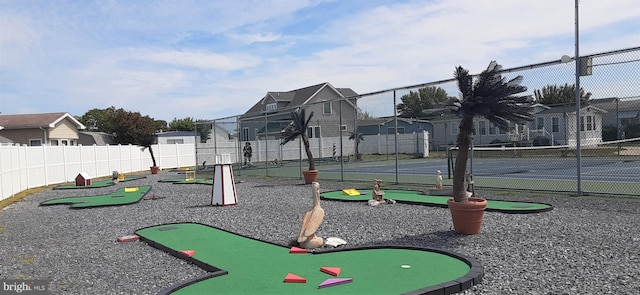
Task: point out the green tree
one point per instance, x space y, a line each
185 124
414 104
131 127
563 94
204 130
492 98
357 137
97 119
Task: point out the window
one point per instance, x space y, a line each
53 142
35 142
483 127
175 141
343 127
555 124
245 134
326 108
540 123
272 107
589 123
313 131
454 128
64 142
492 129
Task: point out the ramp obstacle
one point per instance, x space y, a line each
223 192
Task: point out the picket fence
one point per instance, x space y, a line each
25 167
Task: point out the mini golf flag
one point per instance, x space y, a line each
334 271
296 250
334 282
351 192
188 252
291 278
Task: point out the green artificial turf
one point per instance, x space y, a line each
100 183
184 181
119 197
415 197
255 267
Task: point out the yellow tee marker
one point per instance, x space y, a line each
351 192
130 189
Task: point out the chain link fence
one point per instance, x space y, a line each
361 137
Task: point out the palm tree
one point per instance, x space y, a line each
358 137
491 97
145 142
298 127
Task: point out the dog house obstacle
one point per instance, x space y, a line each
223 192
83 179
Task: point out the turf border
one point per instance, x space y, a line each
445 205
473 277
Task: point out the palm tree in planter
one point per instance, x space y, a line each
145 142
499 101
298 127
357 137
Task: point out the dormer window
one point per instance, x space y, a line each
272 107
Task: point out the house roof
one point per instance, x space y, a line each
294 98
176 133
95 137
45 120
570 109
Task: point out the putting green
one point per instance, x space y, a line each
241 265
416 197
100 183
122 196
185 181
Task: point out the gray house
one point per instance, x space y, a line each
557 124
272 113
387 125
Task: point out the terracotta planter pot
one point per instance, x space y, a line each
154 169
467 217
310 176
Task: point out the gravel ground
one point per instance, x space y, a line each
583 246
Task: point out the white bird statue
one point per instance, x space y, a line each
312 220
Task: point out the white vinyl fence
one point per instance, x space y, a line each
25 167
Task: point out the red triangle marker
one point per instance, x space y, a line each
334 282
291 278
334 271
296 250
129 238
188 252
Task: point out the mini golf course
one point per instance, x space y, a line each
241 265
123 196
189 181
418 198
101 183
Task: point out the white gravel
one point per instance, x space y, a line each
583 246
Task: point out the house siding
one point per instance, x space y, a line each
64 130
23 136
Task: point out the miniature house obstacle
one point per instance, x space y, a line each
223 192
83 179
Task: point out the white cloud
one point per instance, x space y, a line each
203 60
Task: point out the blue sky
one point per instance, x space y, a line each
212 59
